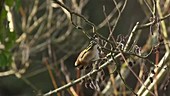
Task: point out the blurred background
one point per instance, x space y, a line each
39 44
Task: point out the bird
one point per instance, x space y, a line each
88 55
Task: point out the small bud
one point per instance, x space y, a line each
160 38
152 71
151 79
134 62
130 63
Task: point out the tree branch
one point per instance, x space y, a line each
81 78
151 23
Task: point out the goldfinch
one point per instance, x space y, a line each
91 53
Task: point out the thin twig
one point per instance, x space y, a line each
152 23
51 74
76 26
79 79
67 76
165 57
130 37
118 71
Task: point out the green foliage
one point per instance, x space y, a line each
17 5
5 58
7 38
9 2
